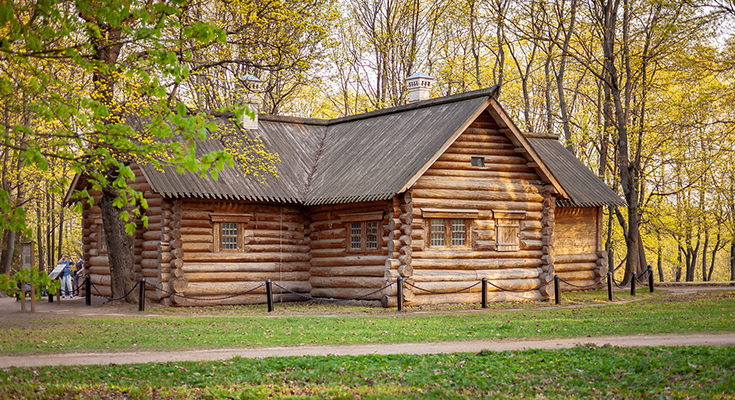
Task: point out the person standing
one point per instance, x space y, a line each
65 276
79 273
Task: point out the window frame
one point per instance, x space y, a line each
218 219
363 218
448 226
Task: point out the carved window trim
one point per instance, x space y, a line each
218 221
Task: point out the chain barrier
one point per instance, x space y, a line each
334 300
643 280
434 292
119 298
205 298
517 291
616 283
578 286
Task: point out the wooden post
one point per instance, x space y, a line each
650 278
269 294
609 286
88 290
141 296
556 289
400 293
632 284
484 292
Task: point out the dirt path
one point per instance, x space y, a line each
383 348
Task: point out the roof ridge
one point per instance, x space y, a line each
419 104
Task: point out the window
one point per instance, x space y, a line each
478 161
363 231
363 236
448 232
229 235
508 230
229 231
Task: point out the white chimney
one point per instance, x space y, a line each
419 87
252 97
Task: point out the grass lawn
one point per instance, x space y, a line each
581 372
228 327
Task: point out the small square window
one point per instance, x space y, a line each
478 161
229 236
364 236
437 232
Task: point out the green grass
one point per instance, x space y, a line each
580 372
652 315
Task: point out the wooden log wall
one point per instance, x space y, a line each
506 182
579 259
275 247
336 271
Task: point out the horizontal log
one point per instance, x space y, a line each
195 214
197 247
152 235
474 264
201 289
452 286
148 263
492 275
480 205
529 177
245 277
195 223
343 282
329 243
364 270
151 255
344 293
573 276
100 289
96 270
586 285
477 195
101 261
150 273
575 258
518 168
243 268
246 257
490 257
564 267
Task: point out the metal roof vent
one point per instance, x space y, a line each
252 89
419 87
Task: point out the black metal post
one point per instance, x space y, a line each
269 294
650 278
88 289
141 296
632 284
609 286
556 289
400 293
484 292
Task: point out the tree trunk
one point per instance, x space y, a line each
119 248
714 255
732 259
39 236
9 251
704 254
49 244
61 231
659 261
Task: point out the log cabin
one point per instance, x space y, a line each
442 192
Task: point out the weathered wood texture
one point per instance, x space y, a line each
506 181
337 271
579 260
271 244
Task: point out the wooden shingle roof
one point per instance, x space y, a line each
584 188
365 157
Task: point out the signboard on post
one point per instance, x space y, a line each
26 254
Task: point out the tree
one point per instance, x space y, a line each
116 59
